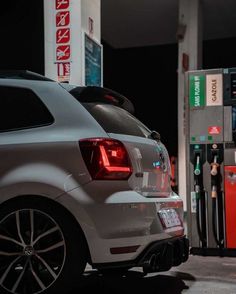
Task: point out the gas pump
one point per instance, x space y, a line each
198 159
211 157
215 159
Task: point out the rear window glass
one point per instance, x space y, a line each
116 120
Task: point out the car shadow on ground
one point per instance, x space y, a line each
132 282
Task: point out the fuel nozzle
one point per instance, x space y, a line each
197 191
197 168
197 172
214 173
214 191
214 166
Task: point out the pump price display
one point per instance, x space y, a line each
169 218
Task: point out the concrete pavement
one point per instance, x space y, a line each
199 275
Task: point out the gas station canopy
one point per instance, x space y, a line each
154 22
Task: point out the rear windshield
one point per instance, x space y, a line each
116 120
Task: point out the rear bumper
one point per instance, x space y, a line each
158 256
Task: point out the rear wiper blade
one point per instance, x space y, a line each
155 136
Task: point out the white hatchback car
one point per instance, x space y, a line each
81 181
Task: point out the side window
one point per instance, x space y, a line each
21 108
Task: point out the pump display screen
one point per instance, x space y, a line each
233 85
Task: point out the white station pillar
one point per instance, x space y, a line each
189 34
71 30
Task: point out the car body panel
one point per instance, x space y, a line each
150 162
46 161
124 218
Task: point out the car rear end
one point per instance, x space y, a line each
137 216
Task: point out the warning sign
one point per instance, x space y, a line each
62 18
214 130
63 52
62 39
63 36
63 72
62 4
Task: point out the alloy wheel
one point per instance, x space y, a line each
32 251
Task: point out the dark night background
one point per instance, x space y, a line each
147 75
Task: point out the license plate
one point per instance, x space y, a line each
169 218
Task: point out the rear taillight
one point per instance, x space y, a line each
106 159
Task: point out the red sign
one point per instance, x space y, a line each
63 72
63 52
214 130
63 36
62 18
62 4
62 39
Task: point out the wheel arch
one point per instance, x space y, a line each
52 202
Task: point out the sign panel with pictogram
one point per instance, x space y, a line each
62 4
63 71
63 52
63 36
62 18
214 130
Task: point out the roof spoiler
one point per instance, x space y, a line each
100 94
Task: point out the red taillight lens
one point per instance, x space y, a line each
106 159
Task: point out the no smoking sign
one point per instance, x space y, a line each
63 36
62 18
63 52
62 4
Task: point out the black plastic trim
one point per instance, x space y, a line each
145 254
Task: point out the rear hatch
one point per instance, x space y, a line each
148 156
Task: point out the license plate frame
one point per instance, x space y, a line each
169 218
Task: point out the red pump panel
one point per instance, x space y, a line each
230 206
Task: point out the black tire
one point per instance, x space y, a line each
48 249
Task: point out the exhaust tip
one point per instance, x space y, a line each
150 264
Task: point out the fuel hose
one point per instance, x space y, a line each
198 190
